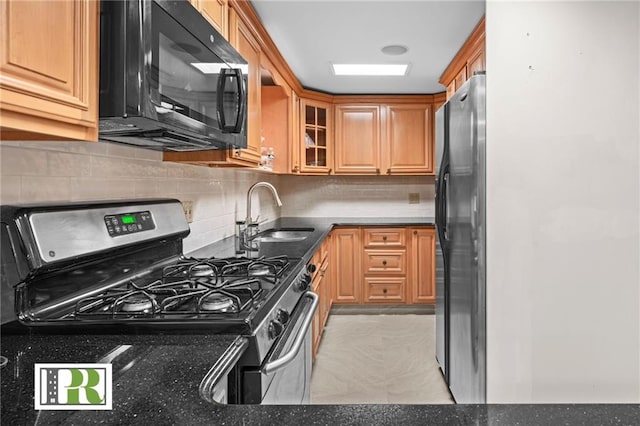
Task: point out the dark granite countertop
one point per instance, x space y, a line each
156 378
304 249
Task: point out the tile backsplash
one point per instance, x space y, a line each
34 172
357 196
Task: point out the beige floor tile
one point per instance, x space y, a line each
378 359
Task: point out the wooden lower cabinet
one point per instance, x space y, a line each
385 289
316 327
321 284
347 255
423 265
384 265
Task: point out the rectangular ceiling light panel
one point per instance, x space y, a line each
370 69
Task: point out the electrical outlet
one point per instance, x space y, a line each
414 198
187 206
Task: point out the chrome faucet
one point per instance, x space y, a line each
249 228
249 221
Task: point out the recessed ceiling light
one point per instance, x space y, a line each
394 49
370 69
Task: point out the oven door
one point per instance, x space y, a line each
285 375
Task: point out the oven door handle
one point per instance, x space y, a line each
285 359
219 371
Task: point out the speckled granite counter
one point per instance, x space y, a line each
156 378
459 415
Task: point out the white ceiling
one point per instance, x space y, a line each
311 34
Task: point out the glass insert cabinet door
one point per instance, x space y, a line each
316 139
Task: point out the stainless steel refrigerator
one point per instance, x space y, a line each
461 255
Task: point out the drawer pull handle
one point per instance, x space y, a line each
384 263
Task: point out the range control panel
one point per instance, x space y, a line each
129 223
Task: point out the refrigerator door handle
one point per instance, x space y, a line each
445 206
442 220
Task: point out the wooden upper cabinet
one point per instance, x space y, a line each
409 146
216 12
357 139
241 37
315 141
469 59
461 77
476 62
49 69
384 138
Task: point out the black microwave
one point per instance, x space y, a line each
168 80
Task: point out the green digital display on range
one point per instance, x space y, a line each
128 219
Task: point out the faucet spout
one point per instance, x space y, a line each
255 186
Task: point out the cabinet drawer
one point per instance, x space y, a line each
385 262
384 237
385 290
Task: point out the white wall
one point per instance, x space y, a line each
563 137
34 172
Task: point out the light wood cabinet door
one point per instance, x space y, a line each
316 325
217 13
347 249
49 69
423 265
476 62
409 146
275 125
315 140
357 139
241 37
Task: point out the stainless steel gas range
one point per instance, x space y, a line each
117 268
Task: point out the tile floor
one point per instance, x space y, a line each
378 359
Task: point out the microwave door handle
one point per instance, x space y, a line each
222 82
242 100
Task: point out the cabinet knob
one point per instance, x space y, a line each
295 169
384 238
384 290
238 153
384 263
415 232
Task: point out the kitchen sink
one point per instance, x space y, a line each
283 235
